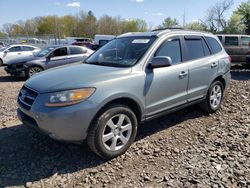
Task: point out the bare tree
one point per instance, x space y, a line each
215 17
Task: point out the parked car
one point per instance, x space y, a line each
132 79
101 40
237 46
1 44
12 52
47 58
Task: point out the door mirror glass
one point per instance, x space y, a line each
160 61
6 51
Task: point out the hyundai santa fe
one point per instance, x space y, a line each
132 79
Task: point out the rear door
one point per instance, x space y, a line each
203 67
27 51
232 47
76 54
57 58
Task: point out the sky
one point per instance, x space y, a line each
152 11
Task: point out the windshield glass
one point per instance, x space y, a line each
44 52
121 52
2 49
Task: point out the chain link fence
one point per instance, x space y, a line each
35 40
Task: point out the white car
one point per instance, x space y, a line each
16 51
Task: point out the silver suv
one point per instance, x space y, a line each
133 78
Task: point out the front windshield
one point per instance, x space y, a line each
2 49
44 52
121 52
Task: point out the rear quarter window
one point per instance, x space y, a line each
214 45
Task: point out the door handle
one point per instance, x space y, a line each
19 53
183 74
214 65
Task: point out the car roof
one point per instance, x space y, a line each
161 32
13 45
232 35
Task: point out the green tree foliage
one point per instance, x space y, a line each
244 12
197 26
235 25
169 23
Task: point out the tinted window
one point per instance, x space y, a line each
171 49
76 50
220 38
27 48
60 52
205 48
214 45
15 49
194 48
231 41
245 41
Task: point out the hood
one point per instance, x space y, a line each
73 77
19 60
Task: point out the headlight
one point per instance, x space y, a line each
70 97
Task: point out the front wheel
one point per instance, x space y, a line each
32 70
214 97
113 131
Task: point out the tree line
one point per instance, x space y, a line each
86 24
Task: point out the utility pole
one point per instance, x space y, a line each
184 18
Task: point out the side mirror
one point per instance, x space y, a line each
84 51
160 61
48 58
6 51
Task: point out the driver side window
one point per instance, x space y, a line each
172 49
60 52
15 49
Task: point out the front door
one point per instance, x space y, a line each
57 58
166 87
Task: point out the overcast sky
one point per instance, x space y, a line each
153 11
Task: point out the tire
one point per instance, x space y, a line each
32 70
1 62
113 131
214 98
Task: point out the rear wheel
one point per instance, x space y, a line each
33 70
214 97
113 131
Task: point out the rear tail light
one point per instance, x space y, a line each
248 52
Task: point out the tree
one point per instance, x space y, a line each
2 34
215 17
168 23
244 12
196 26
235 25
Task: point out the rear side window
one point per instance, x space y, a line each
76 50
60 52
194 48
245 41
231 41
27 48
171 49
214 45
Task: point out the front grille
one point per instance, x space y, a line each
26 98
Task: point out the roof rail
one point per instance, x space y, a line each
165 28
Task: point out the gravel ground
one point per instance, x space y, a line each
183 149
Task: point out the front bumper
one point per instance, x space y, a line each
68 123
15 70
